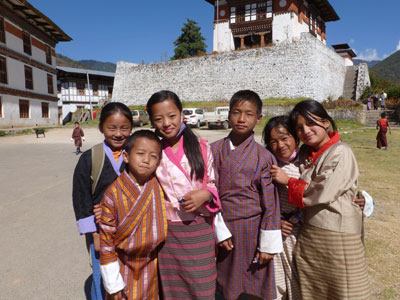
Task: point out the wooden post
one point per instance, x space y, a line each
241 42
262 40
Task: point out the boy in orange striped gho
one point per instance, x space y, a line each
133 223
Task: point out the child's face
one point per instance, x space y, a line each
166 118
244 117
143 159
76 125
311 134
116 129
281 143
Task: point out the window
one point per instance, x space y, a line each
1 109
3 69
28 78
50 88
81 88
45 110
48 55
24 109
250 12
95 89
2 31
269 9
27 43
199 111
233 15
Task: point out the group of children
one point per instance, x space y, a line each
165 205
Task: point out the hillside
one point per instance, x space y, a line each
389 68
65 61
370 64
100 66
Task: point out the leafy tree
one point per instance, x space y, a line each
190 42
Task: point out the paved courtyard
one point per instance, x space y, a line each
42 254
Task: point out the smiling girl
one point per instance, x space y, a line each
330 254
116 126
186 174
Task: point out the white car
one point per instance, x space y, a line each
194 117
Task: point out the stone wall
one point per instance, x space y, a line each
336 114
301 68
363 80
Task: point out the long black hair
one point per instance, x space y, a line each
307 108
276 122
191 144
112 108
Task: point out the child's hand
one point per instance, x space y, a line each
286 228
360 202
263 258
227 244
115 296
195 199
279 175
97 212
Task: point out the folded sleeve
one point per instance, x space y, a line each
82 195
221 231
270 236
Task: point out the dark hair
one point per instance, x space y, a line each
112 108
76 122
276 122
383 115
306 108
147 134
191 144
246 95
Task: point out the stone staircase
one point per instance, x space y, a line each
350 83
374 115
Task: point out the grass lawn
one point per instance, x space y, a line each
379 176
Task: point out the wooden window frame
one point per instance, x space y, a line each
2 30
24 109
3 70
28 77
48 55
1 108
80 86
26 37
50 85
45 110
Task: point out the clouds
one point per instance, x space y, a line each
369 55
372 54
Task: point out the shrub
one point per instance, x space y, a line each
342 104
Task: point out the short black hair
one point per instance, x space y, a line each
246 95
76 122
383 115
276 122
143 133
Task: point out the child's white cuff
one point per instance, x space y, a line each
270 241
369 204
221 231
112 278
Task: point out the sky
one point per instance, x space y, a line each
144 31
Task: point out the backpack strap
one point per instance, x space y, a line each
98 156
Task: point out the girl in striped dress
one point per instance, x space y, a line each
330 255
283 143
187 260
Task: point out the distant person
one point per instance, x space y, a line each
369 102
77 137
383 100
96 169
376 101
133 207
330 255
382 124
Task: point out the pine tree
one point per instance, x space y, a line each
190 42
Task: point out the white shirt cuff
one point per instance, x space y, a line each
221 232
270 241
112 278
369 204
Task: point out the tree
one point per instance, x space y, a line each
190 42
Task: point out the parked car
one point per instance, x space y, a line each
140 118
194 117
218 118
